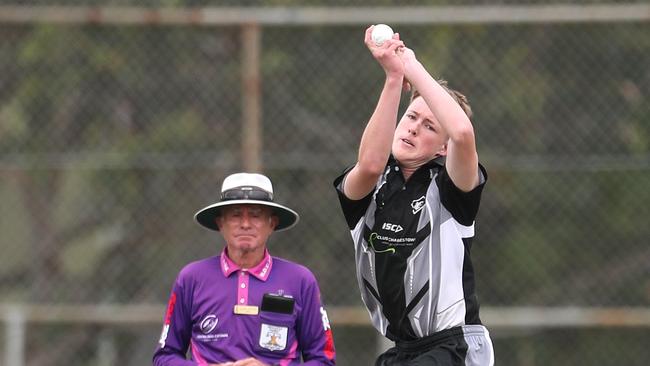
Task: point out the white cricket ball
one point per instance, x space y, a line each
380 33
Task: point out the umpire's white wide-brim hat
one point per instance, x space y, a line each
247 189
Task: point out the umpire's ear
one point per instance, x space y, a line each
274 220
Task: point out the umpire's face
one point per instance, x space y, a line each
246 228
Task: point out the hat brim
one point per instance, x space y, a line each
206 216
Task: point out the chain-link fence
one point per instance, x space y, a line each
113 136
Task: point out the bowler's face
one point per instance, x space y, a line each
246 228
419 137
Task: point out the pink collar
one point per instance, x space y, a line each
261 270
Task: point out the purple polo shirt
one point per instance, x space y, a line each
200 316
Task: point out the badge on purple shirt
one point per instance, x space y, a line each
273 337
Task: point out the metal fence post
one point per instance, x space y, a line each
251 95
106 349
15 337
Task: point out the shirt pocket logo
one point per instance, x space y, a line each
209 323
273 337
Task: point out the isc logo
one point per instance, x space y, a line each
392 227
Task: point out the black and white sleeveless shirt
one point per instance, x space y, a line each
412 248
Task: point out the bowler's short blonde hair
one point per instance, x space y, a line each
460 98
